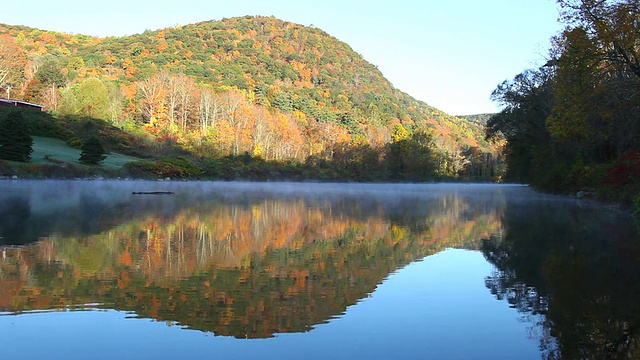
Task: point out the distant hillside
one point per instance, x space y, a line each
255 84
481 119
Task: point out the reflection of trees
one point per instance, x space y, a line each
85 214
252 268
578 268
15 213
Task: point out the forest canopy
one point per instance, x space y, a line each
260 86
574 124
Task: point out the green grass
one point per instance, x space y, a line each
58 151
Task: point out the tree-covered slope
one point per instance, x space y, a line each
220 81
286 65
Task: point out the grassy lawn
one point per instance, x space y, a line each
58 150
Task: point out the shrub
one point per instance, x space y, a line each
623 179
173 167
75 142
178 167
215 168
626 170
140 169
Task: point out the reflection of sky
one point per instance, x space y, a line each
437 308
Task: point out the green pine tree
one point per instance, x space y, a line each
15 142
92 151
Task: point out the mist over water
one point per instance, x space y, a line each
349 270
34 209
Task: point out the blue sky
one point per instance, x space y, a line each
450 54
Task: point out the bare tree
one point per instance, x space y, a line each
151 91
209 109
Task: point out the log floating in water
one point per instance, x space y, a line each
152 193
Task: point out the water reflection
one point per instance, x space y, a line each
15 212
245 260
577 267
256 260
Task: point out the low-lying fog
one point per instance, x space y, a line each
30 209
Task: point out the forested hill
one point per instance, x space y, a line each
477 118
196 77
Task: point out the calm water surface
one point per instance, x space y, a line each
275 271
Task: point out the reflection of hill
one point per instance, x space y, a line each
69 208
248 267
31 210
574 272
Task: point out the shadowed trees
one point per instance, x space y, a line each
573 274
527 102
572 124
15 142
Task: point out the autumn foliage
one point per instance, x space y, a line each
573 124
236 267
626 170
258 85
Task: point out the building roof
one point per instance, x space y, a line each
14 102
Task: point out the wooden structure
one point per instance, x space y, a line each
20 103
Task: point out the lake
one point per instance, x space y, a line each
89 270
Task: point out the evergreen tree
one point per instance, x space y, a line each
15 142
92 151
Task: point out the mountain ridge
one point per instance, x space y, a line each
278 65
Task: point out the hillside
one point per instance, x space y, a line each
477 118
260 85
50 150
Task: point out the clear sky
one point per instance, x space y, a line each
449 53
